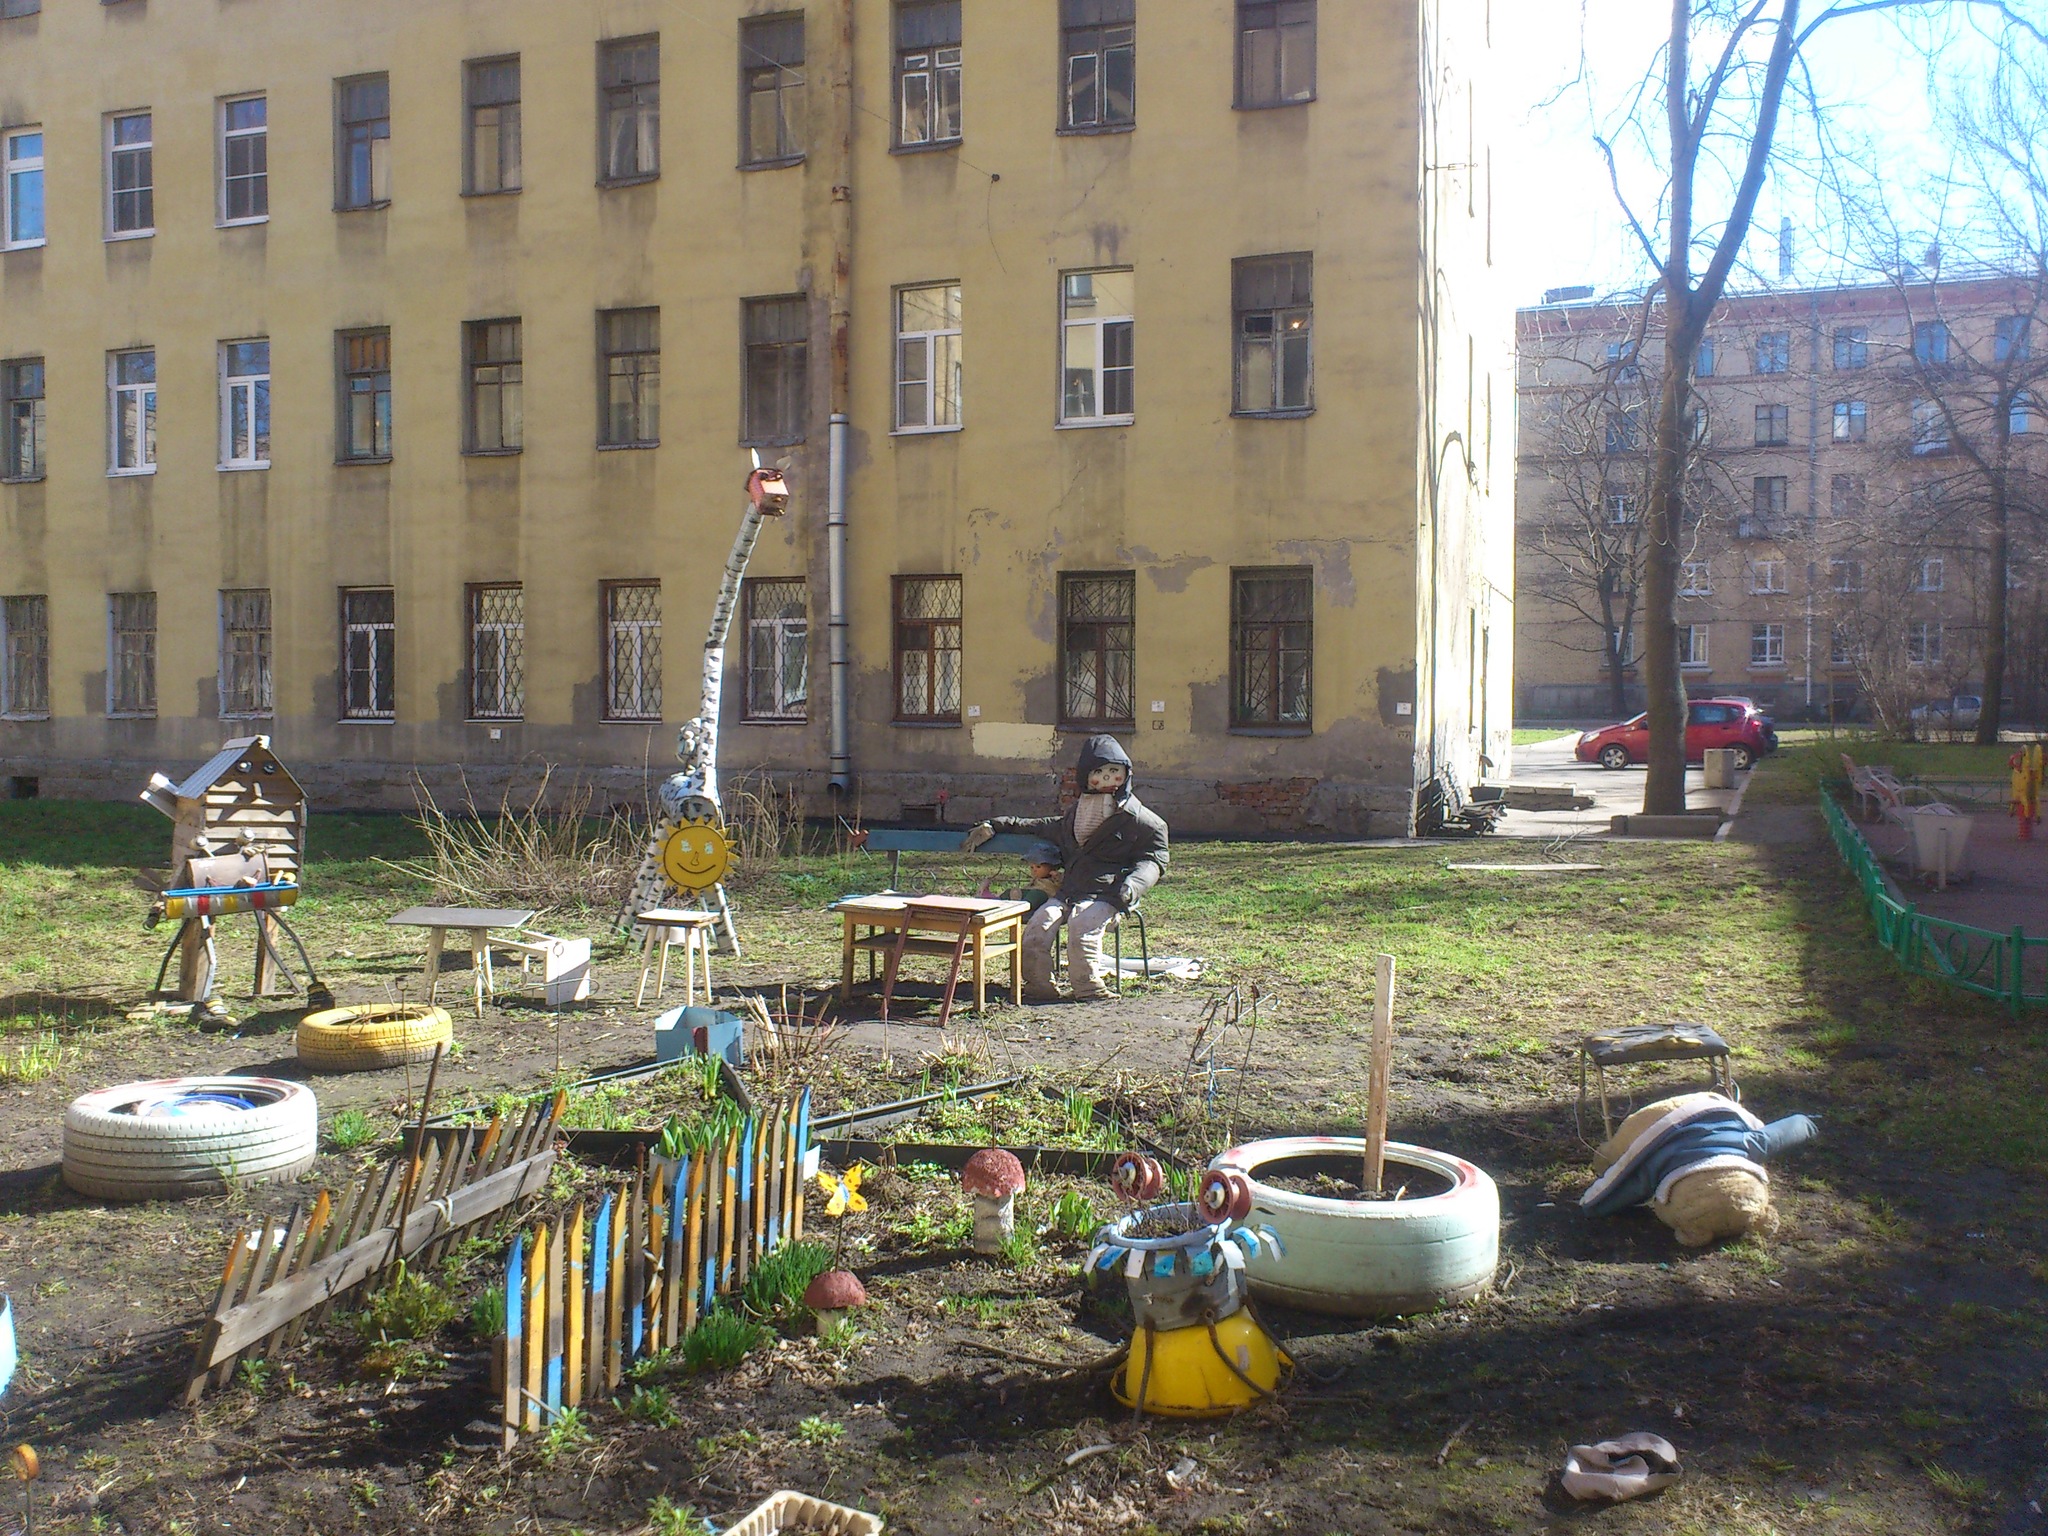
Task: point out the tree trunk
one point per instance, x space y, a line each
1664 790
1988 721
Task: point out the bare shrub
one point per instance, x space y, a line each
791 1046
529 853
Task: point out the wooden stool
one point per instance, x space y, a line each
671 925
1639 1043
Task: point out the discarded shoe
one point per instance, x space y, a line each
1621 1469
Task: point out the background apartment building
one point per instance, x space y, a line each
1840 504
383 376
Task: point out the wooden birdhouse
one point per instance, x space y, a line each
243 795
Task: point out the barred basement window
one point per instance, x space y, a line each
927 647
1271 648
771 90
25 649
245 653
1098 665
778 650
369 654
131 653
777 370
632 650
497 653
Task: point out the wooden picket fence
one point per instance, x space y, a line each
585 1302
285 1274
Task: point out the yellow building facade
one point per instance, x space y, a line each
384 376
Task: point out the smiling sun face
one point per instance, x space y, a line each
696 856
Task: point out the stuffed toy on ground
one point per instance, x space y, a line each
1697 1161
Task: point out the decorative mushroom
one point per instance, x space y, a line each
832 1295
993 1177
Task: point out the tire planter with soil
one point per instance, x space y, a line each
1352 1257
182 1136
372 1036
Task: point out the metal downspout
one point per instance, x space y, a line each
835 527
841 320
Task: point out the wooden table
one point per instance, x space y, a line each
477 922
955 928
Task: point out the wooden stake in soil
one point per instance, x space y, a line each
1382 1074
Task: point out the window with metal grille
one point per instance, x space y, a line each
1923 643
245 653
365 394
771 90
492 147
1767 645
25 649
927 72
497 414
1852 421
1098 657
1273 298
1276 52
928 358
21 188
629 344
1852 347
927 634
1774 352
497 653
1099 43
245 404
244 160
632 650
1271 647
777 376
1098 370
362 142
131 174
778 650
131 413
1773 425
629 90
131 653
369 654
21 396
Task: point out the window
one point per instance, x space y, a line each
369 654
1624 430
1768 495
1703 360
245 654
1928 499
497 652
1621 506
777 378
1852 347
629 93
632 650
1767 576
1273 299
1931 573
927 72
492 148
928 358
1098 670
244 160
25 657
1930 341
1923 643
927 635
1767 645
1097 371
131 416
1099 43
1276 52
1845 575
245 404
365 395
1698 579
1773 426
497 416
1852 421
1271 649
11 8
21 395
131 175
1842 648
629 412
1847 496
778 650
771 90
1692 645
21 188
362 142
1774 352
2020 418
1930 427
1621 645
131 653
2011 343
1623 362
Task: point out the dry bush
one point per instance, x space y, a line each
532 854
765 820
791 1045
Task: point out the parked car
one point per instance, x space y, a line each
1736 724
1958 713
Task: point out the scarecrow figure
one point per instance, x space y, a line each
1113 850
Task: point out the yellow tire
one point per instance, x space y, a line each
372 1037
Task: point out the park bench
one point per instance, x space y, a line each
1879 793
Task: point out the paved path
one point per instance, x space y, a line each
1615 791
2009 887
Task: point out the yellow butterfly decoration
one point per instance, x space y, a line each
842 1192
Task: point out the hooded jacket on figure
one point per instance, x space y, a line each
1123 858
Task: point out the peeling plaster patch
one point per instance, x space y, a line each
1167 575
1014 741
1397 688
1332 560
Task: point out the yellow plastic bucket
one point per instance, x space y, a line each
1188 1379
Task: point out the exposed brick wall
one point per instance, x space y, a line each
1279 799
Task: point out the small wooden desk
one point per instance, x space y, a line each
960 929
477 922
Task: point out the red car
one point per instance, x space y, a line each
1733 723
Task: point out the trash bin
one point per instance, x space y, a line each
1941 841
1717 767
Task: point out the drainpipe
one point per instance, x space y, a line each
841 321
835 529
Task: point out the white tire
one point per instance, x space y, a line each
180 1136
1368 1258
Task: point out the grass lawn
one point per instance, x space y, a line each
1875 1365
1529 736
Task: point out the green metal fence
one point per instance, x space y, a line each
1993 965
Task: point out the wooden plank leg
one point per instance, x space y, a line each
847 929
436 937
895 965
690 966
646 955
668 936
1017 963
704 943
980 976
960 943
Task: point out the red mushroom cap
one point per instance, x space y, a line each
834 1291
992 1173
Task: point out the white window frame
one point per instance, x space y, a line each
1852 421
260 658
108 151
503 635
371 629
1770 638
1097 328
1918 633
1767 576
1930 429
929 350
11 166
1698 576
1842 648
1933 574
1615 637
224 136
245 384
632 655
785 636
1692 646
1845 575
141 398
1621 507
